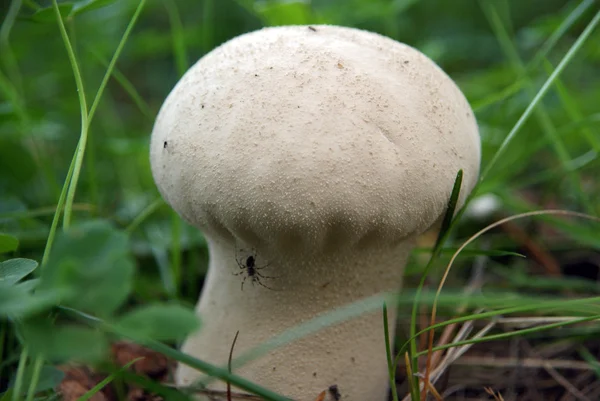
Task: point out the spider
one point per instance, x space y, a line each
248 265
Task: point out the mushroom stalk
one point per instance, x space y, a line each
350 355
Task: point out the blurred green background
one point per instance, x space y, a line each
499 52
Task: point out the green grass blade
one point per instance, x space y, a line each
127 87
166 391
178 37
574 112
520 333
144 214
6 52
542 92
35 377
20 374
55 220
94 390
207 24
591 359
115 57
450 209
176 249
564 26
541 114
79 152
523 305
442 236
74 172
537 59
388 354
494 98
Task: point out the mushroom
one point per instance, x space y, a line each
311 157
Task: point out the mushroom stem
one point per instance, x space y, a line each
350 355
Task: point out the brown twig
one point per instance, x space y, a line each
497 396
434 391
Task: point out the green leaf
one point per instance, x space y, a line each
159 322
13 270
8 243
92 264
47 14
50 377
65 342
30 285
89 5
18 301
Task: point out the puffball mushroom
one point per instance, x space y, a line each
313 156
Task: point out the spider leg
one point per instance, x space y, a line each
243 281
263 276
267 287
240 259
263 267
241 265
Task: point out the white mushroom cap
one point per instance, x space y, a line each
303 138
326 150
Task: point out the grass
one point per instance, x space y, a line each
528 70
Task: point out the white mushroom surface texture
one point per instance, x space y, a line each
311 157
